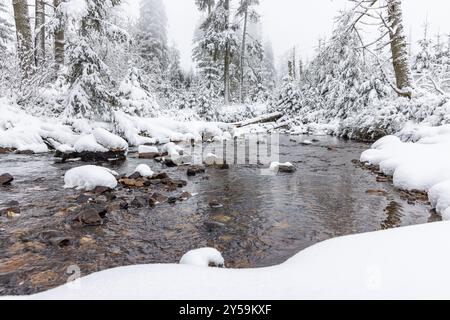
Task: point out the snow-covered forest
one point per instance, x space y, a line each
87 59
98 111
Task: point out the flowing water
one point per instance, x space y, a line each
263 220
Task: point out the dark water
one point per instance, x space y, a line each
264 219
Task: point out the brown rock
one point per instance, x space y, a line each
6 179
159 198
194 170
90 217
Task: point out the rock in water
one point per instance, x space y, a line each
6 179
194 170
90 217
148 152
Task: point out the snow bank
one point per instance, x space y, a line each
138 131
90 177
422 165
382 265
203 258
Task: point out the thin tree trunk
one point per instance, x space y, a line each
227 57
59 41
24 37
39 32
244 39
399 48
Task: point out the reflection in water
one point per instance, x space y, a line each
262 220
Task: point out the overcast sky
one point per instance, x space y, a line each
299 22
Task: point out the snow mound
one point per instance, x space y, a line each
419 164
144 170
203 258
90 177
275 166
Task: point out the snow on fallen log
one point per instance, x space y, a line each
272 117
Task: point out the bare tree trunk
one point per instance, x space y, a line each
59 41
24 37
244 39
39 39
227 58
399 48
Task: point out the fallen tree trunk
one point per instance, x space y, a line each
272 117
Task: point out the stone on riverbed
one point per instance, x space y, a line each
283 167
92 214
194 170
148 152
6 179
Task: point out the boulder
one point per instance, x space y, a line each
195 170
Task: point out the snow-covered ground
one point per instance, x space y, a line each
404 263
418 159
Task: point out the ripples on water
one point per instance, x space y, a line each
264 220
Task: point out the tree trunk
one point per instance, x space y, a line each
39 32
59 41
244 39
24 37
226 75
399 48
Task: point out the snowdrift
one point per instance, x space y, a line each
378 265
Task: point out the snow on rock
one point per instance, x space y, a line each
89 144
379 265
282 167
144 170
110 140
421 164
90 177
211 159
147 149
204 257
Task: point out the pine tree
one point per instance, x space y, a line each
424 59
246 12
152 37
6 29
90 93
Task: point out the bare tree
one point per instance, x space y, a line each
24 37
244 11
227 54
399 47
39 38
59 38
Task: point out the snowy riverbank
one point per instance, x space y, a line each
26 133
391 264
418 160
